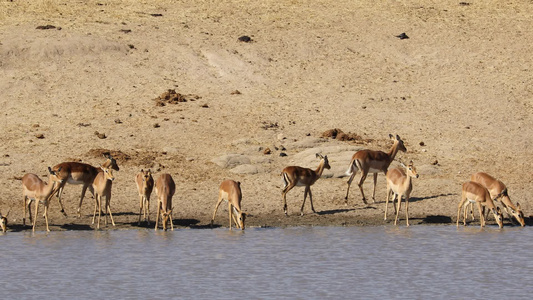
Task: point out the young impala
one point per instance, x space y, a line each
34 189
3 220
145 185
80 173
297 176
370 161
231 191
102 187
498 192
165 189
399 183
473 192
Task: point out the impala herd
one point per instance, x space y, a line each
482 189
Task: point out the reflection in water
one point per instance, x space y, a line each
265 263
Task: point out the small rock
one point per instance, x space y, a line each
267 151
100 135
402 36
245 39
283 154
436 162
156 125
422 144
39 136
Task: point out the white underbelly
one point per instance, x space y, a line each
371 170
71 180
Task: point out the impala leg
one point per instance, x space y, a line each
46 216
216 208
108 209
83 190
465 211
158 214
147 205
361 181
141 201
348 189
387 202
29 211
36 213
374 192
95 207
459 207
311 200
234 215
24 208
171 221
284 196
307 189
407 210
230 215
59 192
399 207
481 216
99 197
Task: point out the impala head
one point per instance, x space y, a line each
108 173
325 159
165 216
146 174
498 216
410 168
3 221
398 143
241 217
110 162
518 214
55 176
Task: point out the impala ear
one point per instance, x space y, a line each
499 210
398 138
401 163
391 136
518 206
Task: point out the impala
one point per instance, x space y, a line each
3 220
370 161
102 187
231 191
297 176
165 189
145 185
399 183
34 189
473 192
498 192
80 173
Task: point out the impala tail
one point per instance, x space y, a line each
284 179
354 166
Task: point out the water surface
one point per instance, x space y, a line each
385 262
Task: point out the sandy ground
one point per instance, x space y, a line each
459 92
